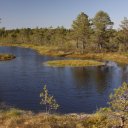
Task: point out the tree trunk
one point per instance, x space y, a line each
77 44
83 46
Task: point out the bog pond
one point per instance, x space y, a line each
76 89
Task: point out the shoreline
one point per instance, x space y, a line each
15 118
121 58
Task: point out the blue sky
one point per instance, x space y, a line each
45 13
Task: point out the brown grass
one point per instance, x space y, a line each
14 118
56 51
121 58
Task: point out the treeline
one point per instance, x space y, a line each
85 35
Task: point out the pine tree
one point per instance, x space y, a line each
48 100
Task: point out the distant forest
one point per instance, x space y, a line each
85 35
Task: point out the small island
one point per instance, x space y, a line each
4 57
73 63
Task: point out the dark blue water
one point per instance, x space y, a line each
82 89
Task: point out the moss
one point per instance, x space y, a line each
73 63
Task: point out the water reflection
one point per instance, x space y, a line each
96 77
76 89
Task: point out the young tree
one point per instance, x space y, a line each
124 24
119 103
122 37
81 29
48 100
101 23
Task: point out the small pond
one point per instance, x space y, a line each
83 89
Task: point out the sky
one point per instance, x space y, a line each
46 13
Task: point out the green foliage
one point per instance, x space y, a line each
124 24
81 29
102 21
119 103
47 100
86 35
101 24
122 36
119 100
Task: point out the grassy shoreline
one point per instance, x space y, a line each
5 57
121 58
73 63
15 118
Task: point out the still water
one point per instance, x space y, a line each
83 89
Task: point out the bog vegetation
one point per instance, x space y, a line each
85 35
73 63
48 100
4 57
114 116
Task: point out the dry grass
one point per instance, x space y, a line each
121 58
4 57
55 51
20 119
43 50
14 118
73 63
